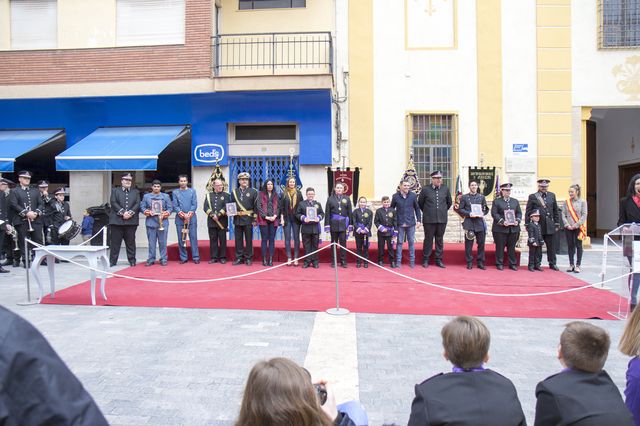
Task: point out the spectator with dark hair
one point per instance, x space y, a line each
582 393
630 213
36 387
471 394
630 345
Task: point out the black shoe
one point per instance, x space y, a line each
305 265
554 267
315 265
481 266
270 261
264 261
531 268
357 264
425 264
3 271
538 268
163 262
237 262
111 265
469 266
248 262
212 261
366 265
499 267
149 263
513 267
16 263
223 261
197 261
439 264
343 264
182 262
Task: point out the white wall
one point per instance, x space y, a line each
614 130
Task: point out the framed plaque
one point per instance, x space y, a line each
156 207
510 217
312 214
232 209
476 210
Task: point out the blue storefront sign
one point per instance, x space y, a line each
520 147
208 153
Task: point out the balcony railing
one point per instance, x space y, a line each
272 53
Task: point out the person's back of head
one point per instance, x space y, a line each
466 342
279 392
584 346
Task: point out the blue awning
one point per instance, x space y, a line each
15 143
119 148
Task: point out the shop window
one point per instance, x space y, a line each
619 24
270 4
432 140
150 22
34 24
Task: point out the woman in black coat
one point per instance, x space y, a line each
630 213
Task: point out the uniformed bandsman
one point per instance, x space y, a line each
27 207
4 221
61 214
185 203
339 214
48 202
363 221
310 227
545 202
245 198
10 234
386 222
157 222
123 219
507 215
473 207
215 205
434 201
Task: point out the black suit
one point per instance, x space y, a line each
505 236
362 219
243 222
21 201
549 221
123 201
388 220
215 204
48 211
310 231
4 215
60 211
339 214
479 398
475 224
435 204
579 398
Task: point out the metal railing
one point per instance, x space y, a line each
273 53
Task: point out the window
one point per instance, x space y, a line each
150 22
34 24
283 132
270 4
432 139
619 23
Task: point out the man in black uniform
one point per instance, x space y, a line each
4 221
434 201
339 219
545 202
473 207
123 220
215 206
27 206
507 216
310 228
47 212
245 198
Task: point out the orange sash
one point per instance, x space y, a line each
574 215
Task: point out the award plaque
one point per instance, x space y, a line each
231 209
156 207
312 214
476 210
510 217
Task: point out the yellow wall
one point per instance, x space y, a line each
361 92
489 39
5 25
553 37
86 23
319 15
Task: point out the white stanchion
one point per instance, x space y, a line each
337 310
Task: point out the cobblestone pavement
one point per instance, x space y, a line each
151 366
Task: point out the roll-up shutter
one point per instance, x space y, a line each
34 24
150 22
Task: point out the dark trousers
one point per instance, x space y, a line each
341 238
119 233
382 241
573 244
433 231
23 232
310 244
8 247
244 244
217 243
533 256
509 241
3 254
550 242
268 236
468 247
55 237
361 249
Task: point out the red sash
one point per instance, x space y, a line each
574 215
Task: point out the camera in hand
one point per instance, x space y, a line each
321 390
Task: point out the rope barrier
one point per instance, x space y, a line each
103 229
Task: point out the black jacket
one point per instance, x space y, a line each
341 207
479 398
475 224
288 210
37 387
216 202
248 198
22 201
579 398
364 218
121 202
435 204
407 208
388 219
301 210
4 207
49 209
549 212
497 213
629 211
534 234
60 211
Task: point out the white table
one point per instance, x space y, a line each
95 255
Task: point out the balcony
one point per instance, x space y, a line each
269 54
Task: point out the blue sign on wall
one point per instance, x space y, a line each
208 114
520 147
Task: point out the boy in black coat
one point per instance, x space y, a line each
470 395
535 241
363 219
386 222
583 393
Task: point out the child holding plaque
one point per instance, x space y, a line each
363 218
309 212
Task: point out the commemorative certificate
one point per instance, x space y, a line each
312 214
156 207
231 209
510 217
476 210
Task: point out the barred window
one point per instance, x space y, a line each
270 4
619 23
432 139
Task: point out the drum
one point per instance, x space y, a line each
68 230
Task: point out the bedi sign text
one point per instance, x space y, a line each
208 153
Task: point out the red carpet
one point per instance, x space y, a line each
361 290
453 252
